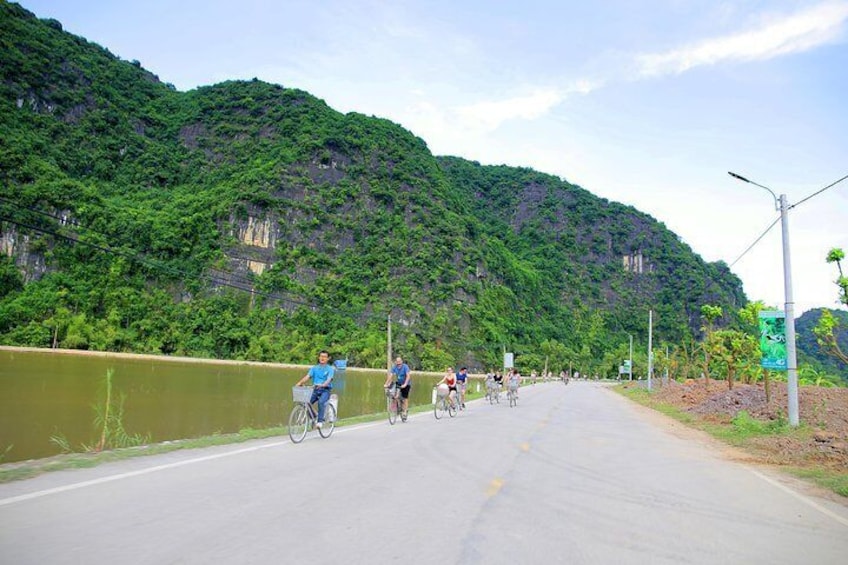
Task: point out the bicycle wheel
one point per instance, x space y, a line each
329 421
451 410
439 409
298 423
391 406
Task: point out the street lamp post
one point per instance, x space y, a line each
791 361
650 346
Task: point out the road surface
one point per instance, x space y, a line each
574 474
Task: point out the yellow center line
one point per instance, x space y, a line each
494 487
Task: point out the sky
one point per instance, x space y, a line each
646 103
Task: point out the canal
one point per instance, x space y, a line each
49 398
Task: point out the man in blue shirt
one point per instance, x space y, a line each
462 383
403 381
322 379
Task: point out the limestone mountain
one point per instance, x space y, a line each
247 220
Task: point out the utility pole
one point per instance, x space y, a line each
650 346
389 343
630 367
791 360
789 307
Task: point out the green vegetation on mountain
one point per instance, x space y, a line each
246 220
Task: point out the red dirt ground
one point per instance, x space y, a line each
823 411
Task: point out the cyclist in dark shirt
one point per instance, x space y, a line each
462 382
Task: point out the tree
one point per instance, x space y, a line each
836 255
825 330
750 316
683 361
661 362
815 377
733 351
710 314
10 276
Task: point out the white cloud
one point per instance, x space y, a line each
790 34
800 32
488 115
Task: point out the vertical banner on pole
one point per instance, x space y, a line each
509 361
773 339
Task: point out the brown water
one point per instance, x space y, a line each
46 393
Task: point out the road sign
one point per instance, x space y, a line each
773 339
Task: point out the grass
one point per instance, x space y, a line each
744 427
836 481
742 431
644 398
29 469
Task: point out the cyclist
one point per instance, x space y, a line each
322 379
450 380
462 382
514 381
498 381
491 385
403 381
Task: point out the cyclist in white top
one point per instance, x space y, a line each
514 381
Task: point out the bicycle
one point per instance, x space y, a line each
303 416
445 404
492 392
394 405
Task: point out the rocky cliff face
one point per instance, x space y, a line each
257 238
25 249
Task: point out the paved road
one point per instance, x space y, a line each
574 474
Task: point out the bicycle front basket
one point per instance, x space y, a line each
301 393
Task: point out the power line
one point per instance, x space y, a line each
183 275
778 218
756 241
43 213
819 191
136 258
